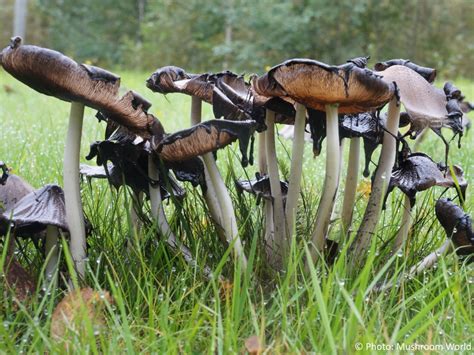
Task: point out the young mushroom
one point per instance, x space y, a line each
348 88
458 226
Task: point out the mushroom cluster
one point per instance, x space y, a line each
348 101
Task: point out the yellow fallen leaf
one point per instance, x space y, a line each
254 346
75 310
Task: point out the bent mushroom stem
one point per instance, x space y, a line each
432 258
228 214
279 242
51 252
72 194
380 183
405 225
210 193
296 168
350 188
330 183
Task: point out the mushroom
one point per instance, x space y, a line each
229 95
418 172
458 226
32 212
54 74
429 74
426 106
348 88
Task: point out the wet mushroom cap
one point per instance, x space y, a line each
429 74
419 172
204 138
52 73
425 104
14 189
457 224
260 187
315 84
37 210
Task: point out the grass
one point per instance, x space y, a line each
164 305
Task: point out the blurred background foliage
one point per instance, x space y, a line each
248 35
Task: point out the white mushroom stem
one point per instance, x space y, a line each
210 193
405 225
432 258
334 211
51 251
296 168
158 212
267 205
350 188
279 243
228 215
72 194
330 183
380 183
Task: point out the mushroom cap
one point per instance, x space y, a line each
419 172
457 224
425 104
52 73
429 74
260 187
37 210
14 189
315 84
206 137
228 93
123 158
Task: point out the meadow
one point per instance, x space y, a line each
164 305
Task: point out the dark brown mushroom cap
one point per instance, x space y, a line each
315 84
14 189
54 74
419 172
429 74
206 137
260 187
426 105
37 210
457 224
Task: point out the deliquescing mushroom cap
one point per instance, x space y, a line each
54 74
206 137
228 93
457 224
425 104
260 187
429 74
37 210
419 172
315 84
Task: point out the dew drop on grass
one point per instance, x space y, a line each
6 324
